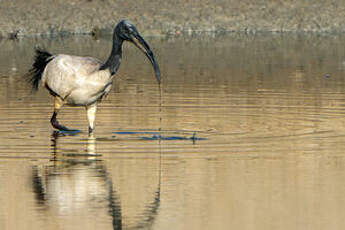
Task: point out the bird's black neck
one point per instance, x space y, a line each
114 60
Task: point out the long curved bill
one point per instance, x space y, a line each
145 48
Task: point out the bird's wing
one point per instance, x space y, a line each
82 66
66 73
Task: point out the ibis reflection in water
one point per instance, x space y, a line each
81 185
84 81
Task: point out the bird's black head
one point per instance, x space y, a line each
126 31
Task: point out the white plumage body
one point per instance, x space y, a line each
77 80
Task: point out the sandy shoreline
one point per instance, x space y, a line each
47 17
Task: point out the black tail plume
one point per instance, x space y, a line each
42 58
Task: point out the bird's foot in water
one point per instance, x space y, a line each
66 130
72 131
63 128
90 130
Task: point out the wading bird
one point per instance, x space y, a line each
83 81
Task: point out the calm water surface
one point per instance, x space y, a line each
248 133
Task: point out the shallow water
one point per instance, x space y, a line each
248 133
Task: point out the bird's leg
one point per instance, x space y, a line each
58 103
91 115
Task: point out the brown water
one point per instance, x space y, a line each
252 137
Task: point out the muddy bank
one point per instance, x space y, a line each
52 17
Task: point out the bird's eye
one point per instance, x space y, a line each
128 30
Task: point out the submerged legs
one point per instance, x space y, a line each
91 115
58 103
